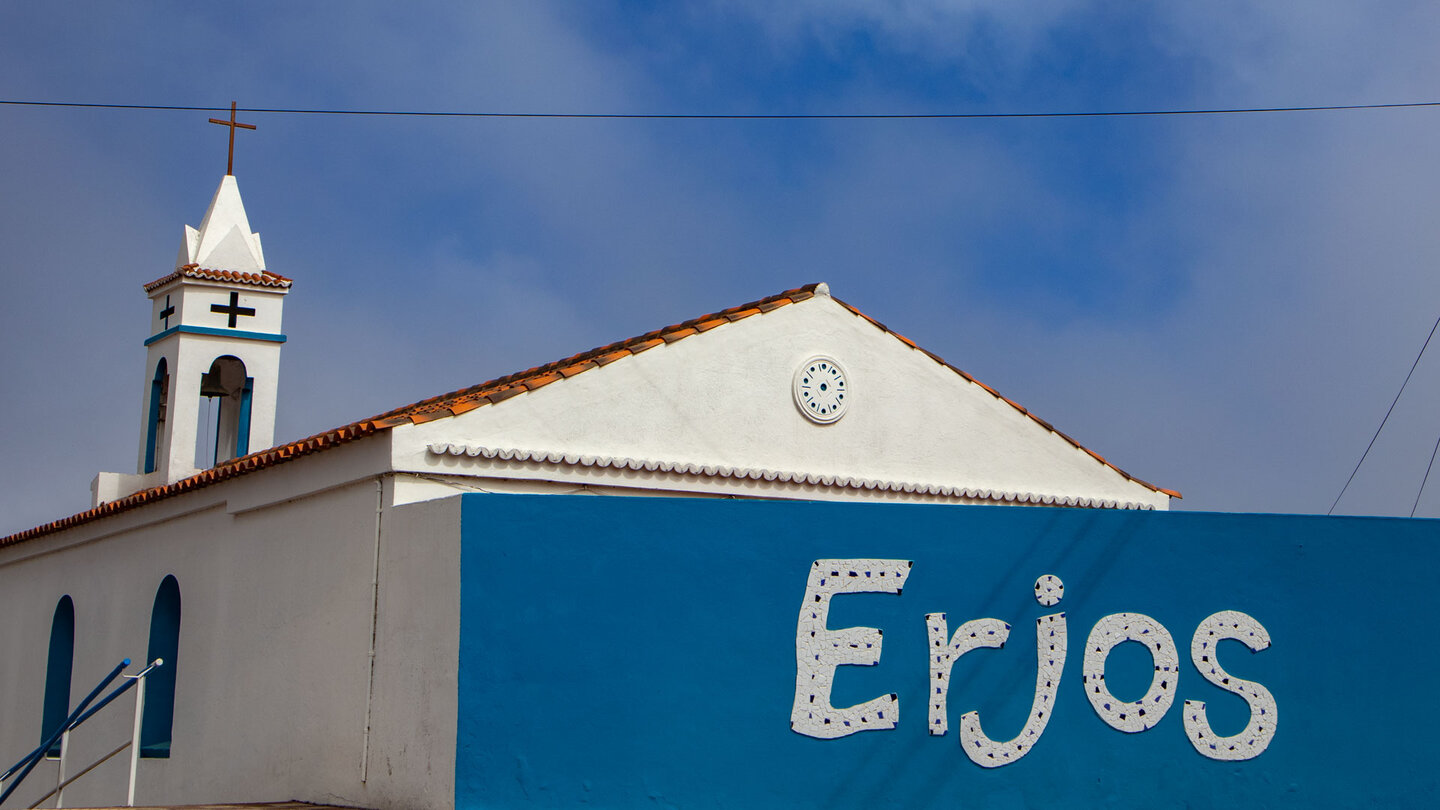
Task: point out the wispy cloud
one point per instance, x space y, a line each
1224 305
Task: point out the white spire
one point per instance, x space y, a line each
224 240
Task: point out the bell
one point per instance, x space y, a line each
210 385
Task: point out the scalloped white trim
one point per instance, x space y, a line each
783 476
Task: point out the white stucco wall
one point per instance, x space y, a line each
411 757
278 615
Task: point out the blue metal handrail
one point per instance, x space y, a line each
82 712
38 753
130 680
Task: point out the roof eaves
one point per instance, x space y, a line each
221 472
263 278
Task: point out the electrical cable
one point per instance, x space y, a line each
1331 510
1426 478
731 116
823 117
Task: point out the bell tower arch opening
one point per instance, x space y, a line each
226 392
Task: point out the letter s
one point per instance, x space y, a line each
1260 729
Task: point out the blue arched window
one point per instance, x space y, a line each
160 683
155 432
57 672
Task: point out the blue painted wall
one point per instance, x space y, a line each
626 652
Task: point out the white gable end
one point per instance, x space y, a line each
715 413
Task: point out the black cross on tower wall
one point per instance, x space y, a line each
233 309
167 312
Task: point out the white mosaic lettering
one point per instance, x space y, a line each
1049 590
819 650
971 635
1050 659
1264 714
1050 654
1110 632
1050 646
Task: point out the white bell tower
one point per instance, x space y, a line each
212 353
214 347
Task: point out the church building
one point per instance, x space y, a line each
306 596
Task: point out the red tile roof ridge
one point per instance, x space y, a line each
968 378
493 391
220 472
437 407
598 356
264 278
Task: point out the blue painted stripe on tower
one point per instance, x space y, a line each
210 330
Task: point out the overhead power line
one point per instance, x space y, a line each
1423 481
1386 418
733 116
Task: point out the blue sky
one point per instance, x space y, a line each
1222 305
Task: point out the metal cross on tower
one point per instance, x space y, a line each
232 124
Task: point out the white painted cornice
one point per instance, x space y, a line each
963 494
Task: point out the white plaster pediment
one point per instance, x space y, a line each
724 399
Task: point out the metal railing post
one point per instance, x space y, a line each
135 742
135 736
17 772
60 777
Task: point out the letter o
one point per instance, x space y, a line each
1112 631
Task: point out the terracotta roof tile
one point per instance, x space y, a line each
221 472
610 357
571 371
264 278
430 416
466 399
464 405
541 380
678 334
642 345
